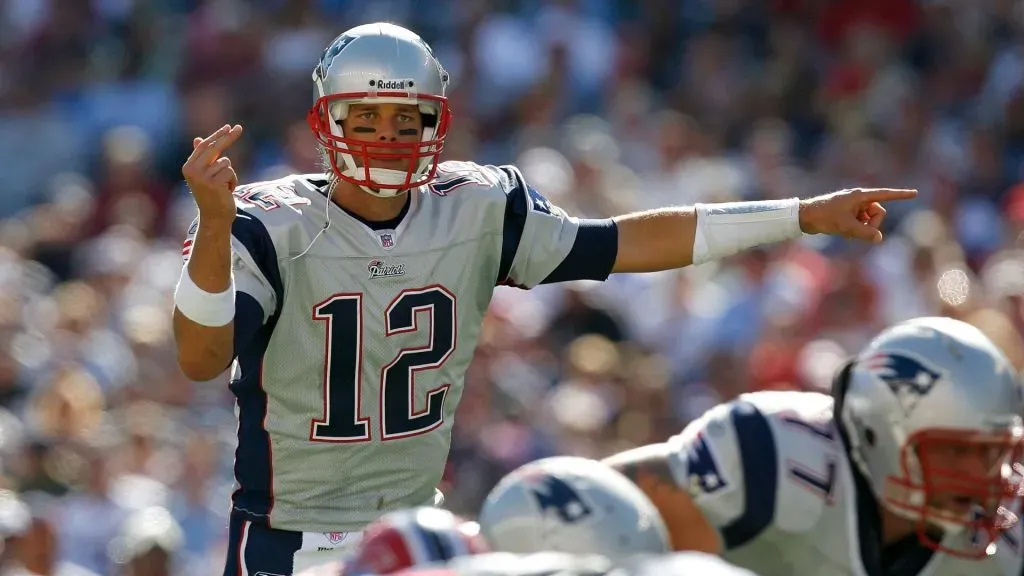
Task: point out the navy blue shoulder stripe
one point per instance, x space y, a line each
251 232
516 210
760 474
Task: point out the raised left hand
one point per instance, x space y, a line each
856 213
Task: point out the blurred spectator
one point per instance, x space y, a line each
147 543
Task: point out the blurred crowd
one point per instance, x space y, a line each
606 105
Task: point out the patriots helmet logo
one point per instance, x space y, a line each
554 495
909 378
327 58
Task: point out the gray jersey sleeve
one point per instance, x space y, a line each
538 236
248 276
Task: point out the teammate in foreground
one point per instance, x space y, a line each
349 303
416 537
911 467
574 505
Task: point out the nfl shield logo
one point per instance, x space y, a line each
387 240
335 537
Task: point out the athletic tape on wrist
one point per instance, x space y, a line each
204 307
730 227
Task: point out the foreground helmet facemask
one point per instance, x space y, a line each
954 499
380 64
930 410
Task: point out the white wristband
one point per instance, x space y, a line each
730 227
204 307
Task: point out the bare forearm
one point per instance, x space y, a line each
677 237
649 469
210 264
655 240
205 351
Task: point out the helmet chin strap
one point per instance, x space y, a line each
383 176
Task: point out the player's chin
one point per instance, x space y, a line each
391 164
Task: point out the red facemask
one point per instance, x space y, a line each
993 485
363 152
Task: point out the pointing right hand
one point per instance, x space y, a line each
210 176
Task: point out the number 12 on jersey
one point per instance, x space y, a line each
342 420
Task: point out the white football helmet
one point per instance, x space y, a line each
575 505
380 63
931 410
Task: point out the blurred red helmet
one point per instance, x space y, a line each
414 537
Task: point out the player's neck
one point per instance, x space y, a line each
895 527
367 206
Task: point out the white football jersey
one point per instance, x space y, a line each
770 472
346 393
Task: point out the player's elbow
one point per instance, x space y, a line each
203 352
199 369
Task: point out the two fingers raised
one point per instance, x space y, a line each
206 151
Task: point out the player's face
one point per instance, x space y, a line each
978 460
393 123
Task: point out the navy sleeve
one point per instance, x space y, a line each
249 314
248 321
593 253
254 237
591 256
512 233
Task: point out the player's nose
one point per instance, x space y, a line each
388 129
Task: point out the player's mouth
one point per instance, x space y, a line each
390 163
962 505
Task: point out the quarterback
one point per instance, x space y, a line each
911 467
348 303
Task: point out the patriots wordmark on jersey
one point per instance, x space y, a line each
769 471
351 349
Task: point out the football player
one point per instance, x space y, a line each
349 303
910 467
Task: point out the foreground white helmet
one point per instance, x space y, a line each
575 505
380 63
931 410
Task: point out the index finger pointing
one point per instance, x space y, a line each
882 194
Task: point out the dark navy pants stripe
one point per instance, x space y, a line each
760 475
263 549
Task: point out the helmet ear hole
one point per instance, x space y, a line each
869 437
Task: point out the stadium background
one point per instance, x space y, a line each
607 105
